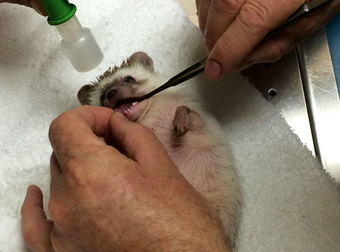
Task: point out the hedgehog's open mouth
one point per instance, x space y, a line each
126 102
133 107
125 107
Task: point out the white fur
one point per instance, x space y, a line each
201 155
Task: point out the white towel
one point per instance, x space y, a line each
290 202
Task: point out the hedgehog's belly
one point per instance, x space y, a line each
193 153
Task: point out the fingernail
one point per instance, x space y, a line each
213 70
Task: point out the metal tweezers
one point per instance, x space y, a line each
198 67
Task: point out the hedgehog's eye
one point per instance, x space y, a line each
129 79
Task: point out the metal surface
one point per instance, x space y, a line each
303 88
281 84
322 99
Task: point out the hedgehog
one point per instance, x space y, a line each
192 137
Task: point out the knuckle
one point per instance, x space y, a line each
55 123
223 6
58 123
255 15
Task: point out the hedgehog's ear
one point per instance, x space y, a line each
141 58
84 94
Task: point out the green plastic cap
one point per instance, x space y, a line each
58 11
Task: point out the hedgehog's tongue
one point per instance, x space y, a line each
123 107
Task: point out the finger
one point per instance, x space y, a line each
139 143
202 12
35 4
271 50
255 20
36 228
274 48
33 205
221 14
78 130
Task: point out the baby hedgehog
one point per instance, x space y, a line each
192 137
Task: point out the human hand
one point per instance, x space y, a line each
128 198
35 4
234 29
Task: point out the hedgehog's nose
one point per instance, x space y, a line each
111 93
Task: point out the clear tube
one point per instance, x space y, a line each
79 45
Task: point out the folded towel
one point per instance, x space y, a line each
11 239
291 204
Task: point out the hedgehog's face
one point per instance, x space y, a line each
131 79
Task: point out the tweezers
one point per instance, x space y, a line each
199 66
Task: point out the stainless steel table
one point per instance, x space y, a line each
303 88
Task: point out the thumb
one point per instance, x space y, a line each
36 228
139 143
